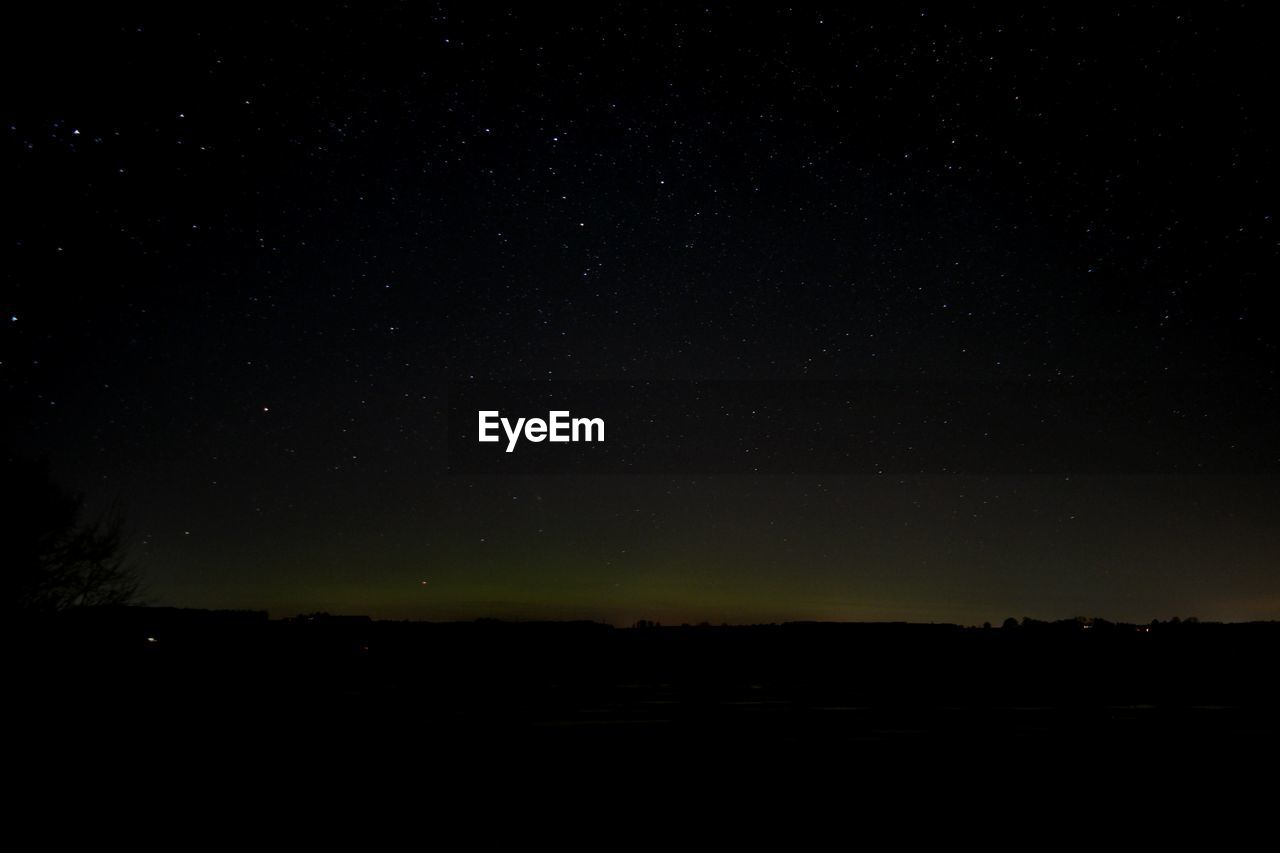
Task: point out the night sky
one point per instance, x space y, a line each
246 256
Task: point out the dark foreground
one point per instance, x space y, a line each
165 686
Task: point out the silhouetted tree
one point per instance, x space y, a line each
53 559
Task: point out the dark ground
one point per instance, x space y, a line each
155 684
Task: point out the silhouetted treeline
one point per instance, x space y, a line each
136 650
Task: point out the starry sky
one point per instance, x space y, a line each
248 254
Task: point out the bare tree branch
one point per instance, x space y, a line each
54 560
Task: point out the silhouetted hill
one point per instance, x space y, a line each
532 672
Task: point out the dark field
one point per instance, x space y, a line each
164 686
